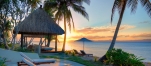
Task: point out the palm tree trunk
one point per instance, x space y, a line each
13 42
118 26
63 48
5 42
116 31
56 43
43 41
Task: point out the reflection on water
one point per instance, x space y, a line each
99 48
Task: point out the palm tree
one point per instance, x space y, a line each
120 5
33 4
8 28
19 12
4 11
63 10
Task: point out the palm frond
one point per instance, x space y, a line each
72 22
115 6
58 15
33 3
50 5
147 5
81 10
69 18
133 4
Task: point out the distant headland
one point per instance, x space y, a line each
84 39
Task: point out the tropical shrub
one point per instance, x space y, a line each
23 50
3 46
69 52
117 57
56 57
2 61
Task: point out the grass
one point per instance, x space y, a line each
84 62
75 59
56 57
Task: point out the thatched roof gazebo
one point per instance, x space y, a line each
38 23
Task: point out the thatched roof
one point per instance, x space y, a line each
39 22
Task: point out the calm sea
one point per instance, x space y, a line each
140 49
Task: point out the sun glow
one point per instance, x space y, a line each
68 47
69 36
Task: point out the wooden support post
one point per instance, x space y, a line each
48 44
45 41
24 41
21 40
56 43
39 46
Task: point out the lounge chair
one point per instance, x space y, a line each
36 61
77 53
29 63
85 54
46 48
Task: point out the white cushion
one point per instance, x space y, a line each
47 48
24 56
43 60
28 62
37 60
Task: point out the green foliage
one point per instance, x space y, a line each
70 52
23 50
120 58
95 59
84 62
56 57
51 37
2 61
75 59
73 54
3 46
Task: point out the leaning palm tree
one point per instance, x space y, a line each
63 10
120 5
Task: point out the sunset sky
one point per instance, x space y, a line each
98 28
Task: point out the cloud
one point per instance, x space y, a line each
123 37
144 22
146 40
94 37
142 35
91 30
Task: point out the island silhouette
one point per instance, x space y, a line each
84 40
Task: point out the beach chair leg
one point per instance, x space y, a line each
20 63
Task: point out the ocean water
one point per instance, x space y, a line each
140 49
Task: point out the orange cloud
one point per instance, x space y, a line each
93 30
142 35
